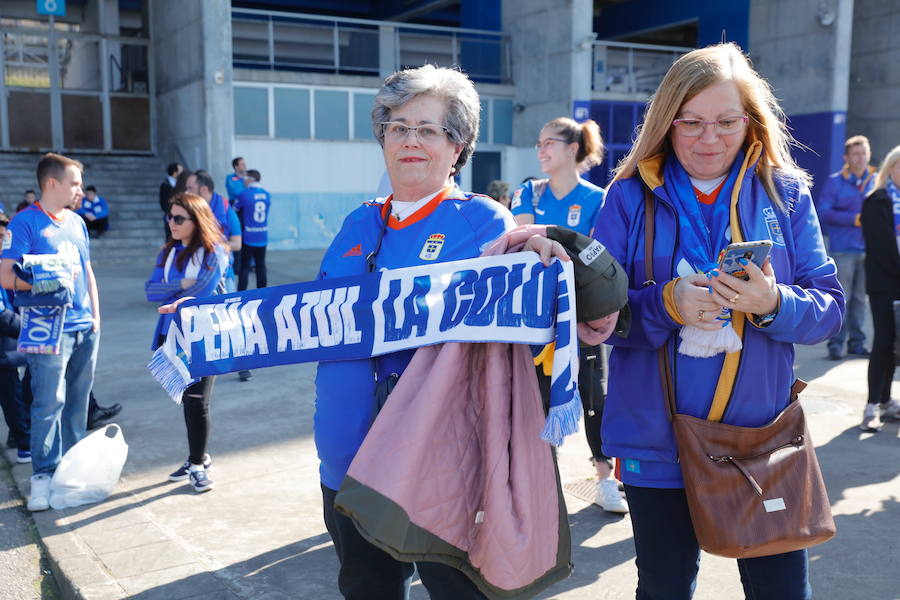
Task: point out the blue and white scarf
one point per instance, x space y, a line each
43 309
701 241
894 193
511 298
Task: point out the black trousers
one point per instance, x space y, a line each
97 227
882 361
195 401
592 375
250 255
16 414
369 573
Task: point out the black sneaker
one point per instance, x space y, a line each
859 351
834 354
102 415
11 442
200 482
182 472
245 375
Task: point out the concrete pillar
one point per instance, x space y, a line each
875 76
802 47
195 99
551 56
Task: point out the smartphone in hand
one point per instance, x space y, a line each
755 252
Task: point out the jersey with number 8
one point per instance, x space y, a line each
253 204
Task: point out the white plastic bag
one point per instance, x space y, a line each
90 469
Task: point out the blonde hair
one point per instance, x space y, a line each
883 172
586 135
693 73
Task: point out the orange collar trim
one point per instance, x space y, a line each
417 216
43 210
709 198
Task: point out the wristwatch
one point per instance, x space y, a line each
765 320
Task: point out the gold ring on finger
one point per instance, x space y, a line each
735 299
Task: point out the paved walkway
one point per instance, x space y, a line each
259 535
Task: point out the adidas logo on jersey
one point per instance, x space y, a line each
354 251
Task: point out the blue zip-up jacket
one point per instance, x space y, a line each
839 205
345 390
166 290
636 427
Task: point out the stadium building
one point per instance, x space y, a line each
130 85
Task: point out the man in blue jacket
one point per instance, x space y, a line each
95 212
234 182
840 203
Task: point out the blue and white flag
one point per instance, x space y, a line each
511 298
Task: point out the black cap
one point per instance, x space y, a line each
601 285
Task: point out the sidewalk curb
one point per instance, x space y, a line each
77 571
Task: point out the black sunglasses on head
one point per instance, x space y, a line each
178 219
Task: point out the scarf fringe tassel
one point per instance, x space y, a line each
168 376
702 343
562 420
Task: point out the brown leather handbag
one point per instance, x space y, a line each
751 491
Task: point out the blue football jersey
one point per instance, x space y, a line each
33 231
234 185
578 210
253 204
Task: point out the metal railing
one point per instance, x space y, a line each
631 68
289 41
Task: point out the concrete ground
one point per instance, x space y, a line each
259 535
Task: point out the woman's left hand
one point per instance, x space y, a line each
758 295
167 309
546 248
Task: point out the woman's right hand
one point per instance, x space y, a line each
173 307
695 303
186 283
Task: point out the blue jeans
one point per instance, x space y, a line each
851 273
668 556
61 385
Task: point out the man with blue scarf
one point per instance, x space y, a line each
840 204
49 233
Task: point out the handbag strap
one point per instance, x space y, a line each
665 374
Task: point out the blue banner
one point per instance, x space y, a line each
511 298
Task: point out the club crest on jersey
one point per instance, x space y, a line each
574 215
432 247
773 226
516 201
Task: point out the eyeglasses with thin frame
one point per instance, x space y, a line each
547 142
426 134
696 127
177 219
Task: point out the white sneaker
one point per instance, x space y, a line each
891 410
608 497
40 493
870 421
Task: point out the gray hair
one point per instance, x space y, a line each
450 86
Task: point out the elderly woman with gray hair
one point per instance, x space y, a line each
426 120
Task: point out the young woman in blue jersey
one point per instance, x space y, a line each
566 149
192 263
714 157
426 121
